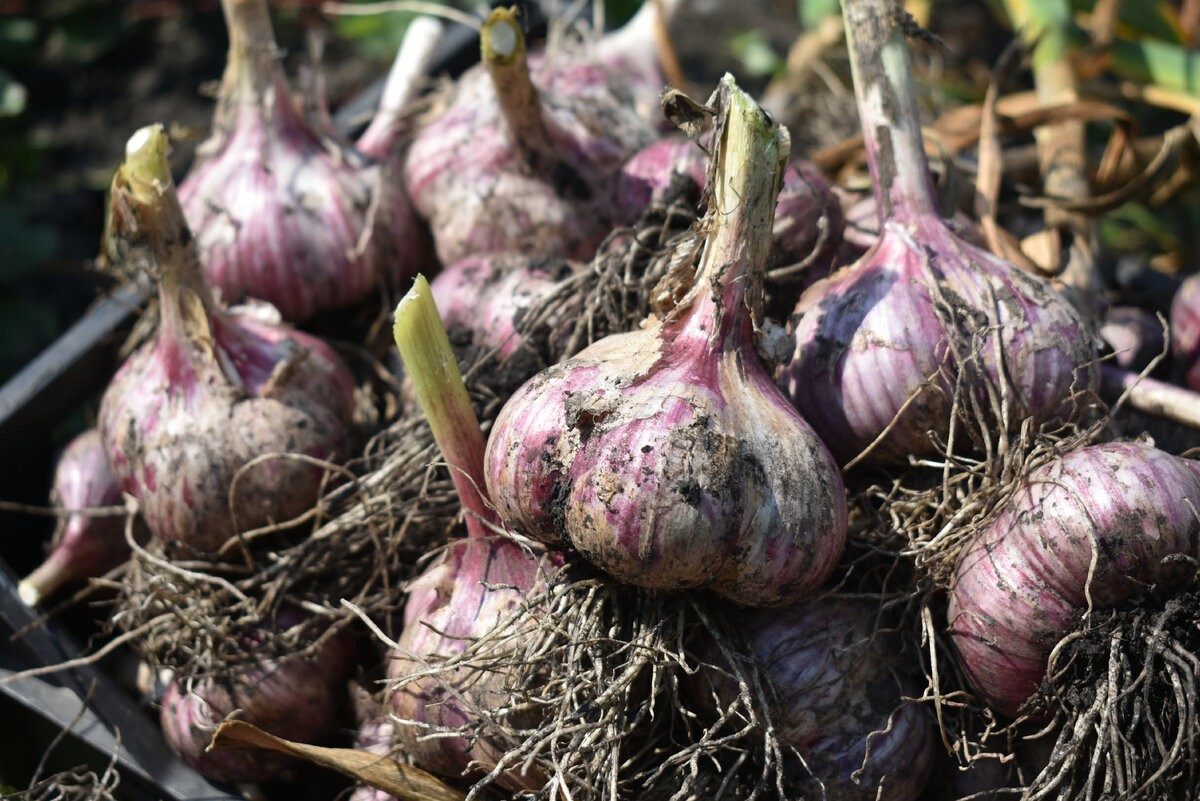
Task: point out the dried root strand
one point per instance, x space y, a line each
1126 689
632 271
76 784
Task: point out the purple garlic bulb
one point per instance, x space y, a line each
861 225
631 55
213 389
1185 332
1135 336
491 296
512 165
1093 529
83 546
840 701
279 212
375 736
880 345
667 456
295 697
477 586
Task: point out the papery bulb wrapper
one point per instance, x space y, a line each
476 586
84 546
181 418
294 697
1022 583
666 455
285 215
541 185
840 701
881 342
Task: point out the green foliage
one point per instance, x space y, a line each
377 36
757 56
1160 63
18 41
88 31
1138 228
1145 17
12 95
618 11
813 11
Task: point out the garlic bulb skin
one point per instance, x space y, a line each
476 588
671 469
1093 529
294 696
808 215
873 344
281 213
181 422
840 701
514 165
667 456
491 296
83 546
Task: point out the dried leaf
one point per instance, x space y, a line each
403 781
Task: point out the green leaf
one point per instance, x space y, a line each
617 12
1154 19
1160 63
12 95
18 40
378 36
813 11
1135 227
89 32
755 53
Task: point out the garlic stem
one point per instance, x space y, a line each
404 79
144 183
1150 396
891 118
430 363
1048 28
252 69
502 45
43 582
745 176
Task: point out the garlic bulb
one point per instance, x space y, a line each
513 165
491 295
279 212
214 389
882 344
840 701
294 696
808 216
475 587
667 456
83 546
